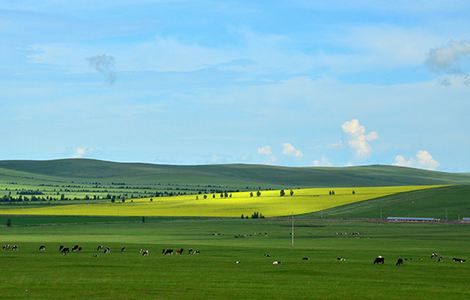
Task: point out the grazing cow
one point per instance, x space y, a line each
179 251
75 248
145 252
276 262
99 248
61 247
399 262
107 250
341 259
237 262
6 247
190 251
42 248
435 255
459 260
167 251
305 258
65 251
267 255
123 249
379 260
14 247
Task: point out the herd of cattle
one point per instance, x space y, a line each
379 260
105 250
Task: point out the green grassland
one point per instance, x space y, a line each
269 203
233 175
449 202
213 274
169 191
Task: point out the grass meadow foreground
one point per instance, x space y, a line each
213 274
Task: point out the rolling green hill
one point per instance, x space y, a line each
235 175
423 203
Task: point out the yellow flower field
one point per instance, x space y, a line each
270 204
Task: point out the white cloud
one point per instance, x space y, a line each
322 162
81 152
265 150
289 149
104 64
423 160
448 59
358 138
447 56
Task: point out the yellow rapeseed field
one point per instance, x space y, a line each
270 204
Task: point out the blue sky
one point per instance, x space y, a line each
298 83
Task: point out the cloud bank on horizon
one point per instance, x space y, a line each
335 83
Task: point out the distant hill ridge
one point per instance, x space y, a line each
86 170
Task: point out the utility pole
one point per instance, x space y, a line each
293 232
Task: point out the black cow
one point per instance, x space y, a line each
459 260
305 258
399 262
42 248
14 247
107 250
65 251
61 247
123 249
76 248
379 260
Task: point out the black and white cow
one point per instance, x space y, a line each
379 260
167 251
